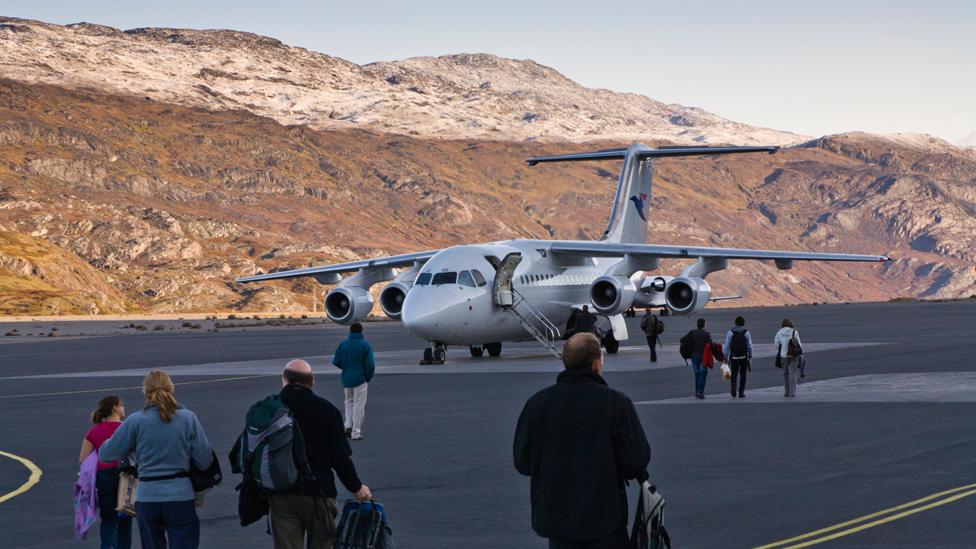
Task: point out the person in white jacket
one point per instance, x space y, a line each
791 370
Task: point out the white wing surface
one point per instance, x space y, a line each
613 249
404 260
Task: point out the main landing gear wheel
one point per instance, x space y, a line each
494 349
610 343
440 355
477 350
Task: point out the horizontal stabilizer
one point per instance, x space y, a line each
649 153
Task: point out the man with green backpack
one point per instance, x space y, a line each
291 444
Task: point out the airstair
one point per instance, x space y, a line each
531 318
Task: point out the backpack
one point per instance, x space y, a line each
648 531
738 347
660 327
793 348
685 347
363 526
272 450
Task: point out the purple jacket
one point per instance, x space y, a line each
85 496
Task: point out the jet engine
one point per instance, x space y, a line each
348 304
687 295
392 297
612 295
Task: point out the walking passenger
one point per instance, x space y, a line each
652 327
164 436
307 518
116 528
738 343
579 441
789 349
697 339
354 357
586 321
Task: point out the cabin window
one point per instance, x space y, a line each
465 279
444 278
423 279
479 278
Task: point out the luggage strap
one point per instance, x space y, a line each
171 476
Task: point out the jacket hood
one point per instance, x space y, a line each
739 329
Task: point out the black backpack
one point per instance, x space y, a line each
738 347
363 525
686 346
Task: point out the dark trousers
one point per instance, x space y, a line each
299 521
739 367
174 522
617 540
116 533
652 343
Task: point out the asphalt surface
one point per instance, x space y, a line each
885 416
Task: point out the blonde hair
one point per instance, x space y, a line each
158 389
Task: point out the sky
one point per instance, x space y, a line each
813 68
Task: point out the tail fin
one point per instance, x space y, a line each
628 218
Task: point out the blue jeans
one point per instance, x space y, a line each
701 374
115 532
175 521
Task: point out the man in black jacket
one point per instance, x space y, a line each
312 510
579 440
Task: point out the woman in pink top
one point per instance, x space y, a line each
116 528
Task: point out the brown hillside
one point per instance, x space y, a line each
168 204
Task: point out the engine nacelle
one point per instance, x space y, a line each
391 299
650 291
348 304
687 295
612 295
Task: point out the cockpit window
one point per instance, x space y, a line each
423 279
444 278
465 279
479 278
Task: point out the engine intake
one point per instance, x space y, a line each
348 305
391 299
612 295
687 295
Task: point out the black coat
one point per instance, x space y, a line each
579 440
585 322
325 440
699 338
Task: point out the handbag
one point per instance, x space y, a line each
126 500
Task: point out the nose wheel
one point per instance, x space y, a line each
435 354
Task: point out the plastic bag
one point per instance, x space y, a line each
726 372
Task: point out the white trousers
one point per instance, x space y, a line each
356 408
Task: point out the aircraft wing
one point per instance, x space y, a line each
404 260
614 249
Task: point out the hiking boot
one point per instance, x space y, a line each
348 432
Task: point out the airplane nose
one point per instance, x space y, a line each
418 316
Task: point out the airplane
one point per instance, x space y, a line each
481 295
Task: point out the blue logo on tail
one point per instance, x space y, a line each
639 204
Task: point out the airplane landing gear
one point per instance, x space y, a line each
435 354
477 350
494 349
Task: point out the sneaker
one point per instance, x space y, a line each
733 395
356 437
348 432
742 395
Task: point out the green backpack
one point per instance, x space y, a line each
272 450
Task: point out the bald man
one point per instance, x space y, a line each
311 511
579 441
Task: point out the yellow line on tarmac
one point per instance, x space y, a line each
35 476
137 387
786 542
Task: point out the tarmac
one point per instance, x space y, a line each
878 449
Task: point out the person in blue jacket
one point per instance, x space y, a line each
354 357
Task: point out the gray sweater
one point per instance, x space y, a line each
160 449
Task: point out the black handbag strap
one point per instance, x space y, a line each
171 476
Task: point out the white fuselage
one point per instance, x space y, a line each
462 314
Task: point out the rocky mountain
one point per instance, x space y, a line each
116 201
451 97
